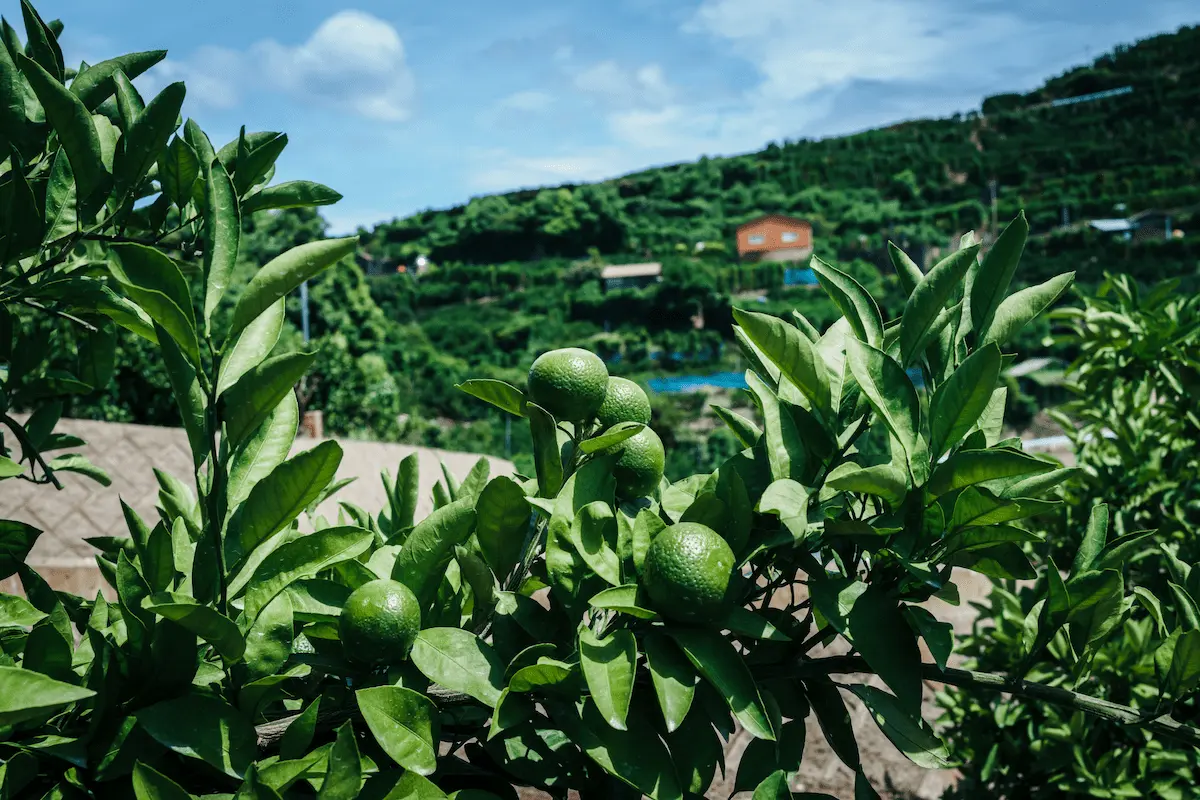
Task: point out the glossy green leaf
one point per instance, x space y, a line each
270 638
746 431
594 536
403 494
611 438
790 352
72 122
547 457
503 524
302 558
27 695
881 480
1184 673
636 756
1093 539
959 402
907 271
773 787
968 467
95 84
904 728
256 394
929 298
154 282
1024 306
748 624
62 215
204 727
265 450
990 283
277 500
144 140
673 676
207 623
343 778
460 661
290 194
404 723
298 736
889 391
149 784
719 664
422 559
784 448
222 237
41 42
18 612
178 168
257 161
854 301
834 718
626 599
503 396
189 396
545 673
608 666
283 274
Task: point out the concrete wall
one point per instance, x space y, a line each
85 509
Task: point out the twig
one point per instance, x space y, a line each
29 451
270 733
1163 724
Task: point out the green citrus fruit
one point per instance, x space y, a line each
623 402
640 466
569 383
688 573
379 622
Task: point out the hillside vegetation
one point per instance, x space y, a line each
924 179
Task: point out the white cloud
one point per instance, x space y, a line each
804 47
646 85
353 61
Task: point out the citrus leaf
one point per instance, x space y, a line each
673 677
608 666
460 661
207 623
905 728
283 274
404 723
716 660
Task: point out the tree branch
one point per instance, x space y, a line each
1162 725
270 733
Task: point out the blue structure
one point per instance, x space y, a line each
795 276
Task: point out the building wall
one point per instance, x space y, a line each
772 231
786 254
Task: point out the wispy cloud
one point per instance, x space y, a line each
353 61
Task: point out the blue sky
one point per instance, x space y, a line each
409 105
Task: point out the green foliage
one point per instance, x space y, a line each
1133 428
219 669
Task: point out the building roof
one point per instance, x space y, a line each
648 270
779 217
1111 225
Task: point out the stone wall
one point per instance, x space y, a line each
129 453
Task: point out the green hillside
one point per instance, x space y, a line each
925 179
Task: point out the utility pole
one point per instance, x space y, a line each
304 310
993 187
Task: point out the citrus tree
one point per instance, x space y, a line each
256 648
1135 434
